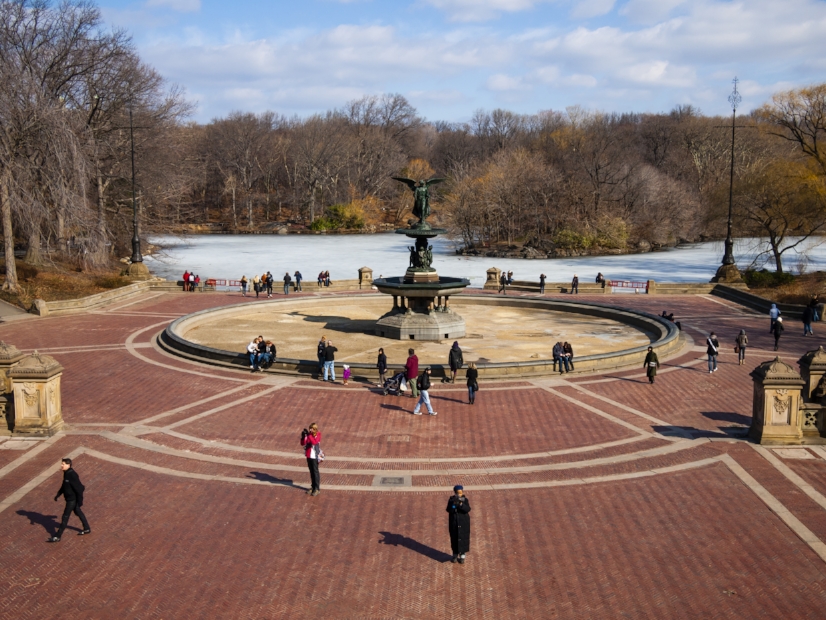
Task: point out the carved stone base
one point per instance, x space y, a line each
727 274
436 325
138 271
413 277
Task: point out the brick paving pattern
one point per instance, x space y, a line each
610 499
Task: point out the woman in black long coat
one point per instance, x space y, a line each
455 360
458 523
381 364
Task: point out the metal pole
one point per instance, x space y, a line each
728 256
136 240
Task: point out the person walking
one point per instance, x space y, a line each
256 284
381 365
472 376
244 285
455 360
424 396
651 363
72 491
322 346
330 361
575 285
458 524
298 278
740 344
411 371
808 317
712 350
503 283
542 277
287 280
311 440
269 285
774 314
777 329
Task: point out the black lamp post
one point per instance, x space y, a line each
136 240
734 99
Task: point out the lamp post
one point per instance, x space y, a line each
136 269
728 271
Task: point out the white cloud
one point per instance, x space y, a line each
182 6
649 11
585 9
505 83
481 10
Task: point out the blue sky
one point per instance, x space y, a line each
453 57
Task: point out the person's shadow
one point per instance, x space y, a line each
49 522
398 540
259 475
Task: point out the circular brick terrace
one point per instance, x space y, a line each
593 496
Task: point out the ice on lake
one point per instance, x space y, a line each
231 256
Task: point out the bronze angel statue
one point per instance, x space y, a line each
421 195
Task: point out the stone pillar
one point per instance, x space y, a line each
37 403
813 368
493 278
776 416
365 277
10 355
652 287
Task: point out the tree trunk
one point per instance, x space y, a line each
234 214
100 242
11 283
33 254
62 246
249 210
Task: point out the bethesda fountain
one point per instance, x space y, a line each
421 298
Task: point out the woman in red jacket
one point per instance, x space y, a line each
311 440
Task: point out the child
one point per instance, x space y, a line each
346 375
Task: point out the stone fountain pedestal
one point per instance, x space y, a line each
421 298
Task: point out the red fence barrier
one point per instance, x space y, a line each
628 284
228 283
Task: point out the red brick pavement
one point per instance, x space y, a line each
691 543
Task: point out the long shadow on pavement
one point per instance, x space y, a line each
398 540
259 475
49 522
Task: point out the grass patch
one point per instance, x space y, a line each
787 288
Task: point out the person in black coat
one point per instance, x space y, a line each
455 360
381 364
72 491
777 329
458 523
472 382
808 317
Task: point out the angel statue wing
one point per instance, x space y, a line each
433 181
409 182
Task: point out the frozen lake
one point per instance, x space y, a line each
231 256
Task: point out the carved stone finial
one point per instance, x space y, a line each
776 371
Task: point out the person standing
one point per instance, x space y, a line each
244 285
72 491
330 361
411 371
287 280
503 282
455 360
322 346
381 365
424 396
774 314
651 363
298 278
256 285
472 382
808 317
740 344
458 524
269 285
712 350
542 277
575 285
777 329
311 440
186 280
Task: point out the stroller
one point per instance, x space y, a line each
393 385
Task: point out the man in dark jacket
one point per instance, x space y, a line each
424 398
72 492
777 329
455 360
558 355
330 361
808 317
458 523
411 370
287 280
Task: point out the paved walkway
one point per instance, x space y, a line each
593 496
